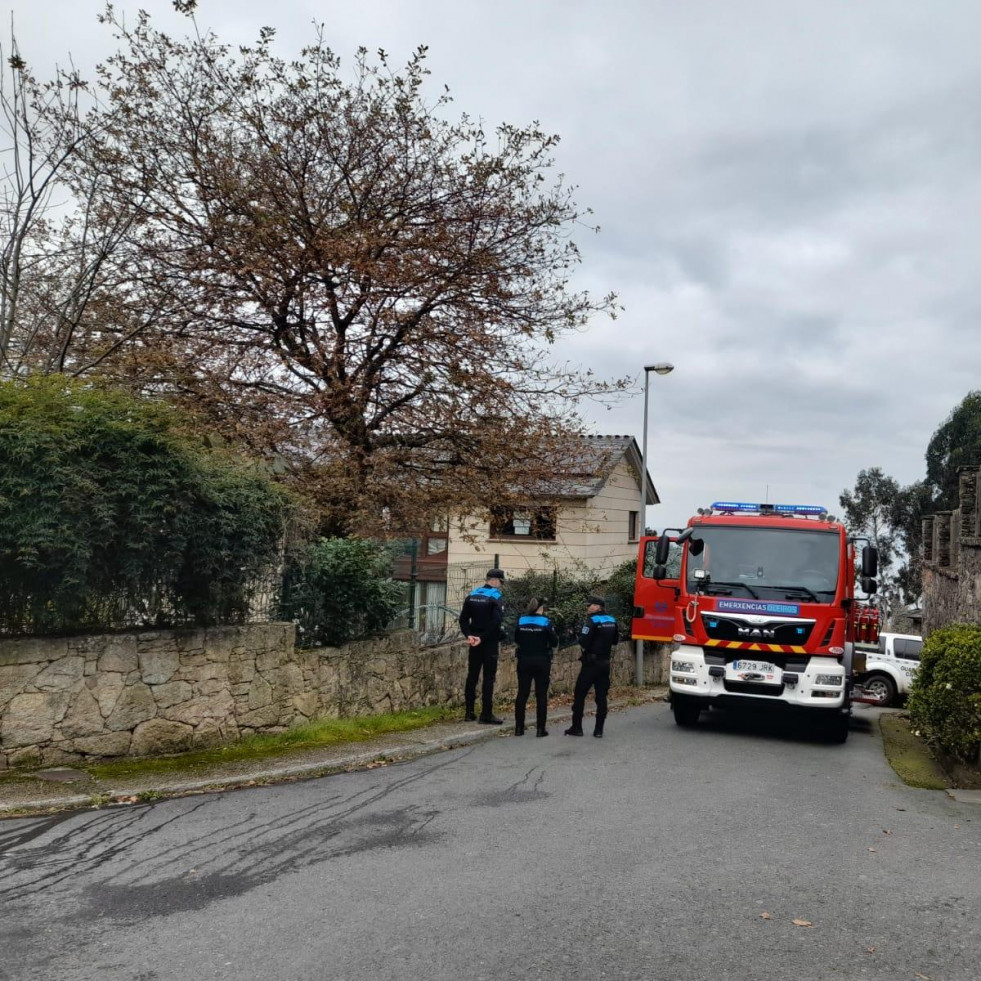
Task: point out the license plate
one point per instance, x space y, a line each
761 672
762 667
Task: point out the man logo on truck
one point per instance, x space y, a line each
757 633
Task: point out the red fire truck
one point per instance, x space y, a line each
760 601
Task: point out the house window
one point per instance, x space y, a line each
534 523
435 544
633 524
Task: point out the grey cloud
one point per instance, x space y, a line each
787 194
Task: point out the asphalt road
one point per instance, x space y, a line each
651 854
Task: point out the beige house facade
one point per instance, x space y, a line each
594 524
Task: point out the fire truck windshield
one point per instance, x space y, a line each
765 562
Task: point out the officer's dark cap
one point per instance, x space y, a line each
596 601
495 574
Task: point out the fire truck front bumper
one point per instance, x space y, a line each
740 677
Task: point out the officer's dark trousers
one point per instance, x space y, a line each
595 675
482 658
537 670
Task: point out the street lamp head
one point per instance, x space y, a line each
661 368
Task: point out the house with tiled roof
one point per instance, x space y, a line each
591 521
586 521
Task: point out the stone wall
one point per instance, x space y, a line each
68 699
952 560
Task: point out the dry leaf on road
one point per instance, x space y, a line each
870 950
765 916
871 849
804 923
922 977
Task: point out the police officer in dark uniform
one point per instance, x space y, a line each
480 622
535 639
597 638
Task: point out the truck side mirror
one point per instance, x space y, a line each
869 585
870 562
661 553
660 572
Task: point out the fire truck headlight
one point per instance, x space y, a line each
834 680
684 667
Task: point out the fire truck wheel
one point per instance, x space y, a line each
685 712
883 687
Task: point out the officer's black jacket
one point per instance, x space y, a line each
482 614
598 636
535 637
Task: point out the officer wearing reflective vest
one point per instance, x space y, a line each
534 639
480 622
597 638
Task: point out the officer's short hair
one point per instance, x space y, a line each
596 601
495 574
533 604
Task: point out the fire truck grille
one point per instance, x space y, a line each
788 634
752 688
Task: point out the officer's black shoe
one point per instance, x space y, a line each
541 732
574 731
519 730
490 720
470 717
598 733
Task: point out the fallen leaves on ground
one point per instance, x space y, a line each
922 977
872 849
803 923
765 916
870 950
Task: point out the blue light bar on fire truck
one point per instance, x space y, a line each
745 507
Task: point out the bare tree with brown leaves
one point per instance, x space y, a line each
340 274
58 253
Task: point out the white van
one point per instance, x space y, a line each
889 668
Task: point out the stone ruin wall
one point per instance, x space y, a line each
952 559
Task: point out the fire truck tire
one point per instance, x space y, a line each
882 686
686 712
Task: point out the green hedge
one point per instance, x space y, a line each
945 698
339 589
112 514
566 592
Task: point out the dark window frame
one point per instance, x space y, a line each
542 524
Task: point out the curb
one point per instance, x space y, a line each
284 772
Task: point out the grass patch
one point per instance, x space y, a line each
909 755
321 732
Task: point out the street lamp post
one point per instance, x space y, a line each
661 368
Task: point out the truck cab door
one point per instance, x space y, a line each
655 600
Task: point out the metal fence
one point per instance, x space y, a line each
433 608
154 608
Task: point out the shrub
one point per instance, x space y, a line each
339 589
111 514
945 697
566 592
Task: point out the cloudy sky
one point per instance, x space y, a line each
788 191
